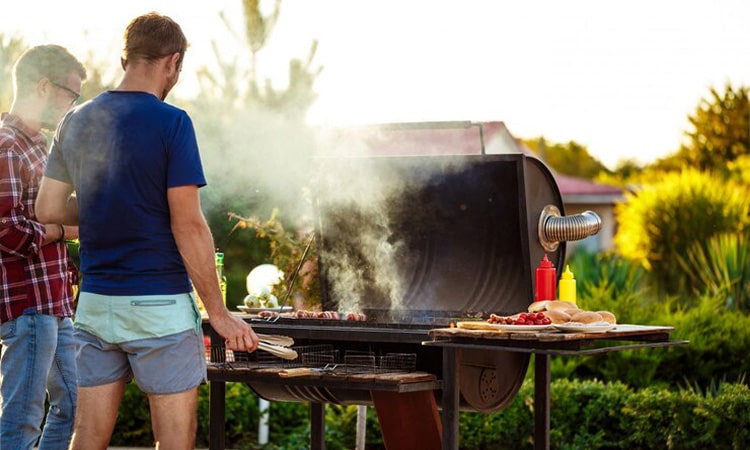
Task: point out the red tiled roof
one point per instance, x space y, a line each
579 186
457 138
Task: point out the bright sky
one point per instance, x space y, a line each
619 77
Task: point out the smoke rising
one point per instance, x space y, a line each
361 203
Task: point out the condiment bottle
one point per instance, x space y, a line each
222 277
567 286
546 280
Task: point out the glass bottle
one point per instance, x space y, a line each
222 277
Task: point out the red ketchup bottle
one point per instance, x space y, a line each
546 281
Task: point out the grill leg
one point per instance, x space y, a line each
317 426
408 420
541 401
450 399
216 402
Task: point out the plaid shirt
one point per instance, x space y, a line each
31 275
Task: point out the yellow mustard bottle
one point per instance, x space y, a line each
567 288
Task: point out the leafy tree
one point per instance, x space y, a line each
11 48
258 29
570 159
720 132
626 173
237 86
255 146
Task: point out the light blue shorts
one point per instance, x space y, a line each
165 365
155 339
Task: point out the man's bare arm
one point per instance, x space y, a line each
196 246
54 203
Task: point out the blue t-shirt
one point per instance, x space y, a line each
121 151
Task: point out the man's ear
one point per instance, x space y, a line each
43 87
174 61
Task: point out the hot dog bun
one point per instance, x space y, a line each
538 306
608 317
586 317
560 305
557 316
550 305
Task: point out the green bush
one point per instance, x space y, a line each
584 415
595 415
688 420
721 267
717 350
659 223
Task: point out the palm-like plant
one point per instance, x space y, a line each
722 268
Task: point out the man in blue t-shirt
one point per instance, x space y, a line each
133 162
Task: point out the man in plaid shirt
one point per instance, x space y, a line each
36 305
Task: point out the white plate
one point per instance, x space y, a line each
522 328
245 309
583 328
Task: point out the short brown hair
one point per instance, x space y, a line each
153 36
45 61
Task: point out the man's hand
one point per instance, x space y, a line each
238 334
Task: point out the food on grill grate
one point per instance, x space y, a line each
268 314
304 314
356 316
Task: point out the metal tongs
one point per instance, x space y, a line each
277 345
306 371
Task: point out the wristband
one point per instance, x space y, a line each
62 233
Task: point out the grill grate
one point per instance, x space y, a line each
314 356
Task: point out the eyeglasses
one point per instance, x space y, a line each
70 91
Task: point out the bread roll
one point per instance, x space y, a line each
557 316
539 306
572 311
550 305
560 305
608 317
587 317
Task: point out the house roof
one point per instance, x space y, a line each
462 138
582 191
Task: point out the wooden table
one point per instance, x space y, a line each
543 345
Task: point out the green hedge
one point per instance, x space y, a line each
584 415
597 415
717 351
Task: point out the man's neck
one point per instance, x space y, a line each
144 77
28 113
138 84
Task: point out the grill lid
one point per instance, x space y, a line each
426 235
